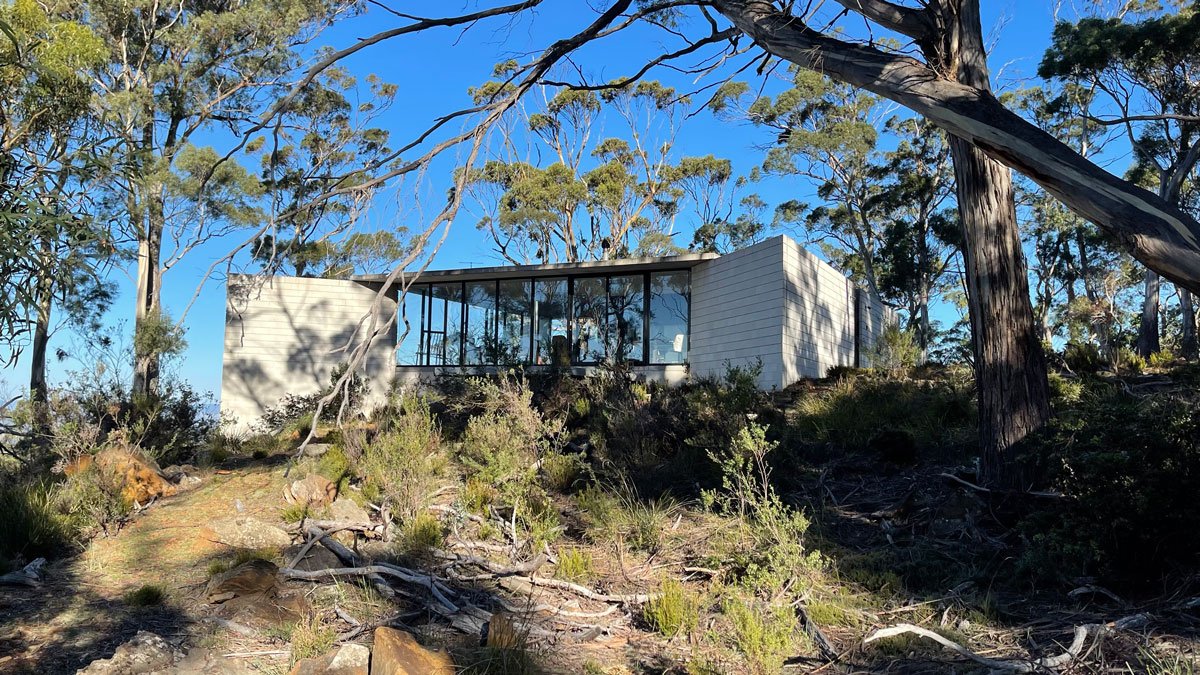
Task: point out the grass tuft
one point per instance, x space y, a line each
146 596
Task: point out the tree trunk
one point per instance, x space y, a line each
145 367
39 392
1187 311
1147 342
1156 232
1010 368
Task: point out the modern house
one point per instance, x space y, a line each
669 318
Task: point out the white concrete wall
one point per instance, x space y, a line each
281 337
737 312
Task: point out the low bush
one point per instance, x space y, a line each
402 465
1129 469
146 596
764 635
419 536
33 525
674 611
310 638
1083 357
895 349
574 564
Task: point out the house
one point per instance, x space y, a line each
670 318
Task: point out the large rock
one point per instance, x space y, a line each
250 578
398 653
200 661
314 490
349 659
145 653
316 558
267 612
346 511
136 476
249 532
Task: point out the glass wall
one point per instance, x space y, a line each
584 320
668 317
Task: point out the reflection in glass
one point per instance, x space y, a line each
480 343
445 325
626 302
588 320
669 317
514 330
550 322
409 329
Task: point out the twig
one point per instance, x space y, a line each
1016 666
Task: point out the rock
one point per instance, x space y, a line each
145 653
249 532
349 659
249 578
346 511
397 653
316 449
317 558
314 490
136 476
208 662
264 613
177 472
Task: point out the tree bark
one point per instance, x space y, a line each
39 391
1156 232
146 362
1148 342
1187 311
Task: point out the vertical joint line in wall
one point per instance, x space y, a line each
857 327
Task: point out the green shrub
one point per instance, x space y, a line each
310 638
764 635
90 500
420 535
402 464
895 349
33 526
1129 467
1161 359
146 596
574 564
1128 361
674 611
1083 357
561 471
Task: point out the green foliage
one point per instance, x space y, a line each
561 471
1083 357
848 413
1161 359
295 411
419 536
1129 362
310 638
895 349
674 611
91 500
334 465
574 564
157 334
1129 467
294 513
402 464
146 596
764 635
33 525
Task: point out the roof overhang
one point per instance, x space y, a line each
619 266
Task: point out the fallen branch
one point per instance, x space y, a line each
828 651
1015 666
30 575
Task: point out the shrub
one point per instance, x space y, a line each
561 471
574 564
419 536
33 526
298 410
895 349
763 635
91 500
401 465
310 638
1128 361
146 596
1129 468
1083 357
674 611
1161 359
294 513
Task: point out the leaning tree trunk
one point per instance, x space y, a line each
1187 312
1147 342
1158 233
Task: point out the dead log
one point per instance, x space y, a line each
30 575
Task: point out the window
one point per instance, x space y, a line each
550 322
669 308
514 333
445 326
626 318
480 341
588 320
635 318
410 330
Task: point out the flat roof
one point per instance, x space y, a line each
674 262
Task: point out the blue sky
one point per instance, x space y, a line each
434 71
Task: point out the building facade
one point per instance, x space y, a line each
669 318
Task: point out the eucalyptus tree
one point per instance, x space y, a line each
941 74
592 175
1148 69
178 73
54 248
